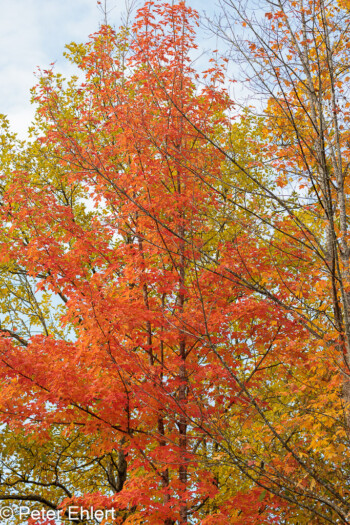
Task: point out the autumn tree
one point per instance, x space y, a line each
294 58
173 279
105 215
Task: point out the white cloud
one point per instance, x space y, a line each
33 33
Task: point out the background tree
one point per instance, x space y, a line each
294 58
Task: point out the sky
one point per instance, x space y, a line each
33 34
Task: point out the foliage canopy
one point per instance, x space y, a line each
174 277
